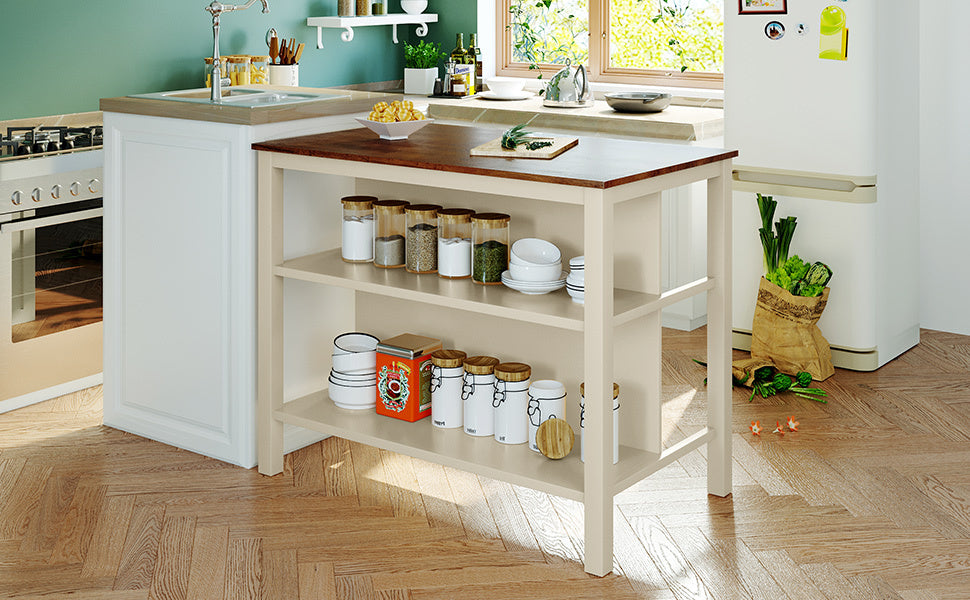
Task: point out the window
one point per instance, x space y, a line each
662 42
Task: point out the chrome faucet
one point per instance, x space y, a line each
216 9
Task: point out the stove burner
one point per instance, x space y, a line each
38 140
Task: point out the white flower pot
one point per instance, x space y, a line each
420 81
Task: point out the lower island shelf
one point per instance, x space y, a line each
513 463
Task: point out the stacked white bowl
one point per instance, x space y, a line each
576 281
353 378
535 267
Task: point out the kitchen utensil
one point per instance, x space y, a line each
568 88
299 53
399 130
274 48
638 102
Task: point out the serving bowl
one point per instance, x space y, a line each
355 353
414 7
535 273
638 102
398 130
533 251
504 87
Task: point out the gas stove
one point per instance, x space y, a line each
50 161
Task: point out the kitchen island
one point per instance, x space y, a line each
601 199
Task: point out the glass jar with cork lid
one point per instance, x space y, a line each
357 229
490 247
389 233
455 243
258 69
239 70
421 255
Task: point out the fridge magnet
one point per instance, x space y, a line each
833 38
762 7
775 30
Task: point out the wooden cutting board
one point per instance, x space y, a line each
494 148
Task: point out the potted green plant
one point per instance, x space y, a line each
421 67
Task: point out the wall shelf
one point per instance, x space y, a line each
348 24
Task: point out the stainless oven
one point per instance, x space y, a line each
50 263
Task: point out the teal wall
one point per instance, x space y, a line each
64 55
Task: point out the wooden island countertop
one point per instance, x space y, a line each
595 163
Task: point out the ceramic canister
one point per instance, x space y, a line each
616 422
547 400
511 402
447 375
477 390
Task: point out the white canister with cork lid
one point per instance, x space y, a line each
547 400
476 394
447 376
511 402
616 422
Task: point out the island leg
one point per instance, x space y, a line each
269 319
598 369
719 225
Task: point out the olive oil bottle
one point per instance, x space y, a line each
476 55
463 79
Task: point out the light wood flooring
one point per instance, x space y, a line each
869 500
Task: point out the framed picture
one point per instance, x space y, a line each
762 7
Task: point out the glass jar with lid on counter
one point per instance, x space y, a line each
357 230
258 69
389 233
422 238
490 247
455 243
239 70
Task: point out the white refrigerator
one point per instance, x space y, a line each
836 142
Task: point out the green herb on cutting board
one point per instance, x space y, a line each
518 136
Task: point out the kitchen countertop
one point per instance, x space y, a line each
596 162
358 102
684 123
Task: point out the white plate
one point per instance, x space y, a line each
490 95
533 288
507 276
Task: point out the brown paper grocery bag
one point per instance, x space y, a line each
785 332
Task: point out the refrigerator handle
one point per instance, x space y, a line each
802 184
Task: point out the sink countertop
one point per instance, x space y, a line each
357 102
684 123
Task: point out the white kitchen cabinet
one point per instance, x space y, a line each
180 280
601 199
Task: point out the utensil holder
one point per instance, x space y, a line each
284 75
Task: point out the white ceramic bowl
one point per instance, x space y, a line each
355 341
414 7
355 353
399 130
576 278
505 87
578 297
353 397
577 262
533 251
537 273
353 378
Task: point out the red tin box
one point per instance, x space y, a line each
404 376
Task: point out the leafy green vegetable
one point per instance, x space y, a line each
818 274
803 379
768 382
517 136
800 278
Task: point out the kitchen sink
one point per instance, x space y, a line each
245 97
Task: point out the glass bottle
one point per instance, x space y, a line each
422 238
462 80
357 229
455 243
476 55
258 70
490 247
511 402
389 233
239 70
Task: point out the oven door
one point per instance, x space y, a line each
50 297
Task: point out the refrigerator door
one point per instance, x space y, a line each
785 107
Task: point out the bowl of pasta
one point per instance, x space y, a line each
394 121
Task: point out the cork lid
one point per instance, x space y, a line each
480 365
239 59
426 210
358 202
555 438
491 220
408 344
449 359
259 58
455 215
616 390
513 371
391 207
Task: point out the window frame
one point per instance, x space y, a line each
599 69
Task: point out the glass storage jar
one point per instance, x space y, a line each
345 8
239 70
477 391
511 403
447 376
258 69
357 229
455 243
390 227
490 247
379 7
422 238
363 8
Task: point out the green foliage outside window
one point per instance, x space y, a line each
676 35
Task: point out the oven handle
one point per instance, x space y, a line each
39 222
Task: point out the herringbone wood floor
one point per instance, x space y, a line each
870 499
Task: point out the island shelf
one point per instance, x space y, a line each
598 179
